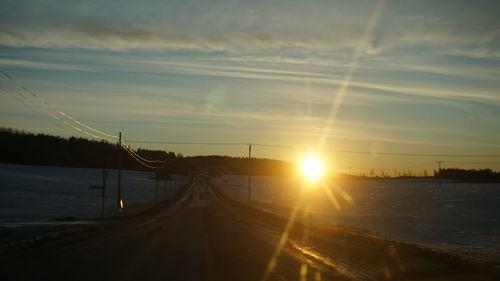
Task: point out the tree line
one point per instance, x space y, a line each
481 175
41 149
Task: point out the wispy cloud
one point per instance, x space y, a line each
238 27
427 75
334 80
40 65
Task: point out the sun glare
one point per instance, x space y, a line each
312 167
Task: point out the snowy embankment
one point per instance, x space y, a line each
39 199
461 216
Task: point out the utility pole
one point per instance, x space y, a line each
439 170
120 202
249 176
156 189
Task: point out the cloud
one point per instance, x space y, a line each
333 80
93 37
239 27
160 62
121 38
368 90
40 65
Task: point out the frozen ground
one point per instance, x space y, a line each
31 197
461 216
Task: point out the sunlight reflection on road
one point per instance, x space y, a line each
329 122
283 238
302 207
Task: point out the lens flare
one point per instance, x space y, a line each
312 168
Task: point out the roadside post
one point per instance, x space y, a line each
249 171
156 189
119 195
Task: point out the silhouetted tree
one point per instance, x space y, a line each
484 175
41 149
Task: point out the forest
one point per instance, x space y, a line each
41 149
482 175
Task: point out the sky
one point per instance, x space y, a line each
394 76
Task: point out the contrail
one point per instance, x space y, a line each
346 81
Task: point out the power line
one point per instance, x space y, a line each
412 166
458 162
138 160
85 125
85 132
415 154
188 143
126 146
43 111
88 130
56 110
274 145
329 150
395 168
80 126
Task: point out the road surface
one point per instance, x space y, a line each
205 236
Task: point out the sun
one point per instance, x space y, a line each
312 167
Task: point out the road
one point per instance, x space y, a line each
204 236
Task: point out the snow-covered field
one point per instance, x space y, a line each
32 196
441 213
465 216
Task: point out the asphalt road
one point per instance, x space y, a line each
198 238
203 236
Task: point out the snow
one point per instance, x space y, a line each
432 212
31 197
